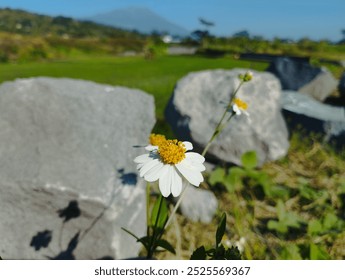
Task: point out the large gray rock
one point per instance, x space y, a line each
321 86
181 50
313 116
198 205
199 101
341 86
68 182
300 76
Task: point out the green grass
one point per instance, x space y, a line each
157 77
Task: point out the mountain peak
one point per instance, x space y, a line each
141 19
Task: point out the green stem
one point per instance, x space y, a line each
148 187
219 126
233 114
154 233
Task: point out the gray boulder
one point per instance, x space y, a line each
200 99
181 50
321 86
198 205
314 116
300 76
341 86
68 182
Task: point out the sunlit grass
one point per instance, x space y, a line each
157 77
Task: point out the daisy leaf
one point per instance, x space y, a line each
249 160
159 213
199 254
165 245
221 229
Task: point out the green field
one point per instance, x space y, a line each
156 77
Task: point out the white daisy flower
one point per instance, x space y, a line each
169 162
239 107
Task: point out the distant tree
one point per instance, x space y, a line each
64 21
199 35
242 33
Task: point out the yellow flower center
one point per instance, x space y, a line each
157 139
240 104
172 151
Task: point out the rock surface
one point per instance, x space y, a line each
200 99
68 182
300 76
199 205
321 86
181 50
341 86
314 116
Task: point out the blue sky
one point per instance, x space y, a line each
293 19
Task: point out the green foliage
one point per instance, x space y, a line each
318 252
219 252
221 229
290 252
298 213
249 160
294 252
154 49
328 224
26 37
304 47
248 176
159 213
285 220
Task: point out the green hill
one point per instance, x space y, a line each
26 23
27 36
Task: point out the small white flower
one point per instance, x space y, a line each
240 244
239 107
170 164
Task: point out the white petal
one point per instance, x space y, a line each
236 109
148 166
193 176
155 173
194 165
188 145
140 165
176 184
151 148
143 158
165 180
195 157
